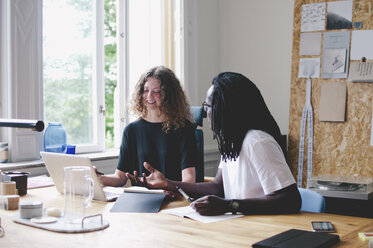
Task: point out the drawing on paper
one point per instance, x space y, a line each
334 61
313 17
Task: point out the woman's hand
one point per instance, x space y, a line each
210 205
156 180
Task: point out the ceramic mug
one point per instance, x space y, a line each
78 193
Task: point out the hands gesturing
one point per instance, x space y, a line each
156 180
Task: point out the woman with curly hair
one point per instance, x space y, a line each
253 176
163 136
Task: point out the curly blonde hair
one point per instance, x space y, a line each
174 103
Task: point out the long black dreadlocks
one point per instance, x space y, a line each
237 107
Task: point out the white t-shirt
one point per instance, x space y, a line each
259 170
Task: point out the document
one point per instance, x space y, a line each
39 182
371 129
361 44
189 212
335 60
339 15
361 72
309 67
313 17
333 102
139 189
310 44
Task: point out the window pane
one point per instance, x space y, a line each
110 68
68 53
145 39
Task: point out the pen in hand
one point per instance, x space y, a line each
184 194
99 173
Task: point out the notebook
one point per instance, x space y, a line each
299 238
55 163
138 202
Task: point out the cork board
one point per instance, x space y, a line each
339 148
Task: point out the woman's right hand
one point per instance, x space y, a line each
156 180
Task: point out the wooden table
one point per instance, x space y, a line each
163 230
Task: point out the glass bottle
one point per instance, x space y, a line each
55 138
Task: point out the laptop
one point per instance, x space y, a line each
55 164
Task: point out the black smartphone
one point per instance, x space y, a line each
322 226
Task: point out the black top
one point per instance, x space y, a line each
169 153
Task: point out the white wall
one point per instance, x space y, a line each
256 40
203 54
252 37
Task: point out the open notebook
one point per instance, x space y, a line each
189 212
55 164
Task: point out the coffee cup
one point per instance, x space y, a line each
78 193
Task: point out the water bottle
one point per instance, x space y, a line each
55 138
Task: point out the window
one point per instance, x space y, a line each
140 46
72 70
145 38
76 62
69 82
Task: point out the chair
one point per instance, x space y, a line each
312 201
198 115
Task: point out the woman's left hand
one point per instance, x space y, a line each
156 180
210 205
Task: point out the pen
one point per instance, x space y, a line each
99 173
183 194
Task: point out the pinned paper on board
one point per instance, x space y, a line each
310 43
371 129
339 15
335 60
309 67
361 44
332 102
361 72
313 17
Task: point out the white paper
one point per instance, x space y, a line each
313 17
189 212
310 43
309 66
371 131
139 189
361 44
339 15
335 60
361 72
39 182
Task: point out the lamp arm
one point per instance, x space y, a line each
36 125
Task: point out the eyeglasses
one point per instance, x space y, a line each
205 105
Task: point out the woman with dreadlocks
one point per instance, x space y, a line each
253 176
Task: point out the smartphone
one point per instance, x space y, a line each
322 226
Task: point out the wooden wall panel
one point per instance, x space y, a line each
339 148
